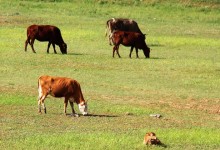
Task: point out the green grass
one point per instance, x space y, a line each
180 81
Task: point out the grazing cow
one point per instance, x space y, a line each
61 87
122 25
133 39
48 33
151 139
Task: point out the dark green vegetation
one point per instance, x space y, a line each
180 81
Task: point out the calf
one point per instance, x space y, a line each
132 39
61 87
48 33
151 139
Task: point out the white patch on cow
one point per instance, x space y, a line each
113 19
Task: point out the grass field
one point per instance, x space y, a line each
181 80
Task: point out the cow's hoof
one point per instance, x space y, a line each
76 115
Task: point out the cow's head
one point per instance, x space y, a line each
83 108
147 52
63 48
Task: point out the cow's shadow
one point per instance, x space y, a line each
100 115
157 58
76 54
94 115
142 58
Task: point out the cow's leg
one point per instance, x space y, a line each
41 97
131 51
32 45
65 104
136 52
26 43
54 48
41 102
118 51
109 39
73 111
44 107
113 52
71 104
115 48
48 47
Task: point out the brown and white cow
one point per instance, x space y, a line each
48 33
132 39
151 139
61 87
122 25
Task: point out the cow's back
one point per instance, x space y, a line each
123 25
131 25
57 86
45 33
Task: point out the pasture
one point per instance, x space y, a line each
180 80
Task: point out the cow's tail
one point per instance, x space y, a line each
28 37
107 28
38 84
109 31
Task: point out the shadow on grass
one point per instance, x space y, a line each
96 115
141 58
79 54
76 54
155 45
156 58
92 115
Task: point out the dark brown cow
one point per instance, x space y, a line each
48 33
133 39
61 87
122 25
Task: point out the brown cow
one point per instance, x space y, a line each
122 25
151 139
61 87
133 39
48 33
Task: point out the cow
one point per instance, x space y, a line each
122 25
151 139
61 87
48 33
131 39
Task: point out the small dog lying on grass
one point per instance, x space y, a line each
151 139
